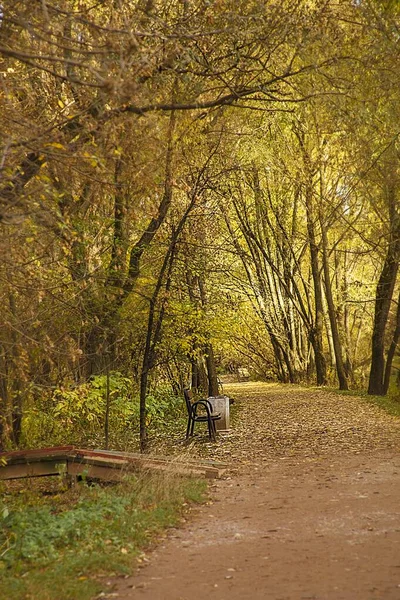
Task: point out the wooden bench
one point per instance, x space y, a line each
243 374
200 411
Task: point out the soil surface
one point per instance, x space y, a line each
308 509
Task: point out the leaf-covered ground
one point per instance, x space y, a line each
308 510
271 420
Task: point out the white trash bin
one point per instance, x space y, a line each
220 404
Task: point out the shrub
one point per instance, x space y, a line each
76 415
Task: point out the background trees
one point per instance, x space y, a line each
219 181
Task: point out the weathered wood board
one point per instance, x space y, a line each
106 465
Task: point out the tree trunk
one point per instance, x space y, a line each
4 399
209 352
144 376
107 411
194 374
211 371
16 387
154 323
316 331
392 350
384 293
337 345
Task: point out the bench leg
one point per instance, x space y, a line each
211 429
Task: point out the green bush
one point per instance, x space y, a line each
163 406
76 415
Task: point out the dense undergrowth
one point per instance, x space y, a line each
77 415
58 544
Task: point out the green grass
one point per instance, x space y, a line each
60 547
390 403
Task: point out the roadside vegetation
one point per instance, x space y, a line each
390 403
102 413
64 544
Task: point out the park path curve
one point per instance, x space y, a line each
308 511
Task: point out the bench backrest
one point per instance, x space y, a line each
188 399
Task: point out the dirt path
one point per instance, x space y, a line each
310 509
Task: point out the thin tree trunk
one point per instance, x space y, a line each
211 371
209 352
342 274
317 328
392 350
107 411
316 332
194 374
17 387
4 397
154 324
337 346
152 338
144 376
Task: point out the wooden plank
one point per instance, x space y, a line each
98 464
141 463
117 463
139 459
182 468
35 469
94 471
37 452
62 458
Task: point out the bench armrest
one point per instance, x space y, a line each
207 405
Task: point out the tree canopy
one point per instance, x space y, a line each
189 187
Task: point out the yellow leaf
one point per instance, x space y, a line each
56 145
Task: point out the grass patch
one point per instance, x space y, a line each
390 403
59 545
